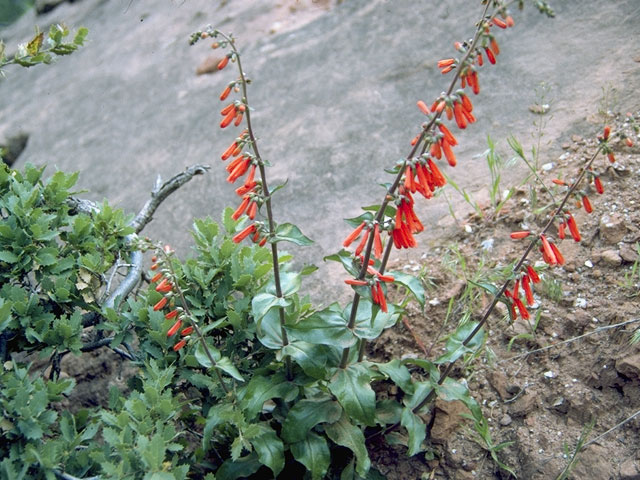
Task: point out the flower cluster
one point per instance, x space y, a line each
551 254
419 171
165 286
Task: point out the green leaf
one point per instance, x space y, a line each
312 358
288 232
325 327
263 302
313 453
241 468
306 414
454 347
370 322
411 283
270 449
352 388
269 331
227 367
202 357
416 428
348 435
347 260
398 373
81 34
9 257
290 283
263 388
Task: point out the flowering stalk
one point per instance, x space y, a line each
437 143
251 189
175 313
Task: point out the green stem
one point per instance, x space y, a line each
267 201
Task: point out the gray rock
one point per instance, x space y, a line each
334 97
612 228
611 257
629 470
629 366
628 253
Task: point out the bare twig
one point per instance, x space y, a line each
160 193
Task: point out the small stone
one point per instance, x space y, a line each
588 264
629 470
566 145
629 366
580 303
547 166
612 228
611 257
505 420
576 138
523 405
498 381
628 253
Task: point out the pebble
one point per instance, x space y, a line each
611 257
506 420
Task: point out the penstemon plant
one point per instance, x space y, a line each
239 375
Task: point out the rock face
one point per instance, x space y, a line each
334 92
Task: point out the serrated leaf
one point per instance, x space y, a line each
416 428
454 345
411 283
288 232
348 435
352 388
313 453
325 327
306 414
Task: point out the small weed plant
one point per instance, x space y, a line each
236 374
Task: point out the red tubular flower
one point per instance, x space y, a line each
573 227
448 136
466 103
598 184
179 345
461 120
526 286
164 286
363 242
607 132
415 139
587 204
353 235
519 235
509 21
238 237
557 254
241 208
355 282
160 305
494 47
173 330
377 241
472 79
229 151
156 277
516 289
499 23
629 142
408 179
521 308
154 266
228 119
171 314
229 108
238 119
490 56
253 209
533 275
186 331
223 63
423 107
438 178
557 181
548 255
561 233
446 62
246 188
611 157
448 153
240 170
225 93
435 150
380 300
479 60
424 181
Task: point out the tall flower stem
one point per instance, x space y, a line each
266 194
485 317
390 193
192 319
